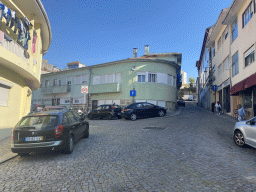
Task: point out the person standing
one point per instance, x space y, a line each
240 112
218 107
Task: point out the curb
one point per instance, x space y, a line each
7 157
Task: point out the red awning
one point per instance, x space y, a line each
244 84
237 87
250 81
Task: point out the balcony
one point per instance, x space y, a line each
15 48
105 88
56 89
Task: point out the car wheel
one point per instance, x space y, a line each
70 145
109 116
161 113
239 139
133 117
86 133
119 117
23 154
90 117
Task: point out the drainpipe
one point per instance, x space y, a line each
89 83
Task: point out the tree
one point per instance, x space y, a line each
191 83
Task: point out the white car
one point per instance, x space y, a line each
245 133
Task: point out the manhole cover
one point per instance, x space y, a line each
158 128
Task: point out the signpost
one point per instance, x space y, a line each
84 90
132 94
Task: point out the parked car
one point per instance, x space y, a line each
48 130
141 110
245 133
181 103
106 111
51 108
36 108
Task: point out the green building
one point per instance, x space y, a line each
155 77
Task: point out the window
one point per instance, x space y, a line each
225 34
47 83
219 44
152 77
234 30
235 67
58 101
53 102
247 15
67 101
69 80
139 105
141 76
64 119
249 56
174 81
226 64
78 79
170 80
54 82
148 105
213 51
219 69
84 78
59 82
76 100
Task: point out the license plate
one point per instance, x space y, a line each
34 138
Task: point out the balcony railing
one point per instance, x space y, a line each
15 48
56 89
105 88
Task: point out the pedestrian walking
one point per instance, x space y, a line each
240 112
218 107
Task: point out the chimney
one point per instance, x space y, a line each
134 52
146 49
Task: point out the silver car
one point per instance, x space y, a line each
245 133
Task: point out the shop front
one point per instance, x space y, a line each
244 93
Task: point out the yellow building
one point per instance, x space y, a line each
25 36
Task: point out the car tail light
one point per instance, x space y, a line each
59 131
126 109
13 137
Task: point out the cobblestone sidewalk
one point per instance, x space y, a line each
6 153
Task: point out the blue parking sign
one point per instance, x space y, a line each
133 93
214 87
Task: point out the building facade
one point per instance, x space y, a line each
232 52
184 78
25 36
152 76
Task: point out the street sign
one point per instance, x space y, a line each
84 89
214 87
133 93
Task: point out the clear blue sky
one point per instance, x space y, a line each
100 31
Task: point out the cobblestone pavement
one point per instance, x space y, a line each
190 152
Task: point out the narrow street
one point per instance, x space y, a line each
190 152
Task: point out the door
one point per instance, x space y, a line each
74 124
150 111
140 110
94 104
250 132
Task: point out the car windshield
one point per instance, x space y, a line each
52 109
38 122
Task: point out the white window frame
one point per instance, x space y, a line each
84 78
151 79
4 92
78 79
249 54
235 65
67 82
55 82
170 80
226 64
234 30
141 74
247 15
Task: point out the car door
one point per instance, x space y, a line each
74 124
148 109
81 124
250 132
140 110
105 110
98 112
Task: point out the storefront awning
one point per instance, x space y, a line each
250 81
237 87
244 84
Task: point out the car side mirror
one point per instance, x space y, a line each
252 122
